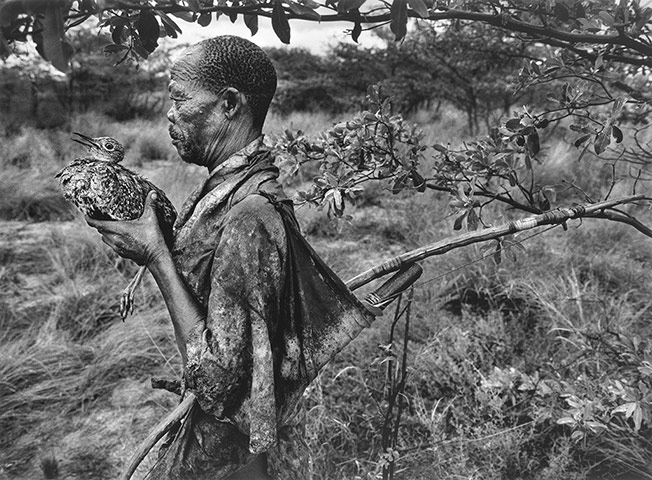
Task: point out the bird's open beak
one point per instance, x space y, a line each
84 140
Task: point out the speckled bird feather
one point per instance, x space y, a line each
108 191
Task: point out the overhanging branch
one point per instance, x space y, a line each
501 20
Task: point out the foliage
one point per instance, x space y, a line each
379 146
586 409
307 83
621 29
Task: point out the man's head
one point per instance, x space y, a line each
214 83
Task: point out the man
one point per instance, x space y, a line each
253 308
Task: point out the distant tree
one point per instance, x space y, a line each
306 82
592 58
121 91
592 40
471 66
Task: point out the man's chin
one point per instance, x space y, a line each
186 154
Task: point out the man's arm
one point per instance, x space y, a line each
141 240
185 311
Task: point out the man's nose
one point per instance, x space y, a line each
170 115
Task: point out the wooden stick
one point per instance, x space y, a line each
156 434
552 217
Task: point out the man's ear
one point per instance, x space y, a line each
233 102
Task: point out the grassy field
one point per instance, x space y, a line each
537 368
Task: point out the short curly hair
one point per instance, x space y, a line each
230 61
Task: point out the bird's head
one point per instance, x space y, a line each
102 148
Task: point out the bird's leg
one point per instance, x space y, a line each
127 300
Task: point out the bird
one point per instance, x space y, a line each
105 190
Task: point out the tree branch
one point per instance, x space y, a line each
553 217
500 20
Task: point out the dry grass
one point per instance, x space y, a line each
74 397
65 350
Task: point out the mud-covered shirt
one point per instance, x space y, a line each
274 313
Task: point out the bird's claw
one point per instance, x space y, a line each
127 303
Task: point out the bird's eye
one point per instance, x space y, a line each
109 146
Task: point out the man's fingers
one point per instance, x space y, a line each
150 203
106 240
93 222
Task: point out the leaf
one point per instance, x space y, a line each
617 134
304 11
357 30
5 51
400 184
251 21
139 49
498 257
168 23
186 16
458 221
205 19
534 66
399 16
280 22
472 220
602 140
607 18
513 124
617 106
169 31
533 145
119 21
543 123
116 34
561 12
344 6
418 181
419 7
113 48
148 30
440 148
581 140
589 25
194 5
338 202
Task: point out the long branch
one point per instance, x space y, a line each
503 21
553 217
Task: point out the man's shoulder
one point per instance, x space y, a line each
253 204
255 211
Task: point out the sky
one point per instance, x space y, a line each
316 37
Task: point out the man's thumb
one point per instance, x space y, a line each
150 203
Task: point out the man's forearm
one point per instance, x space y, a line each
184 310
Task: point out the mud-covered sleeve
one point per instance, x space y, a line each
230 357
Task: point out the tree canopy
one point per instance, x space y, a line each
596 30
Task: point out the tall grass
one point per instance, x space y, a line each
570 314
65 350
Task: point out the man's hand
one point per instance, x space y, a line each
139 240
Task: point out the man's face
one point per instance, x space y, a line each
195 119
